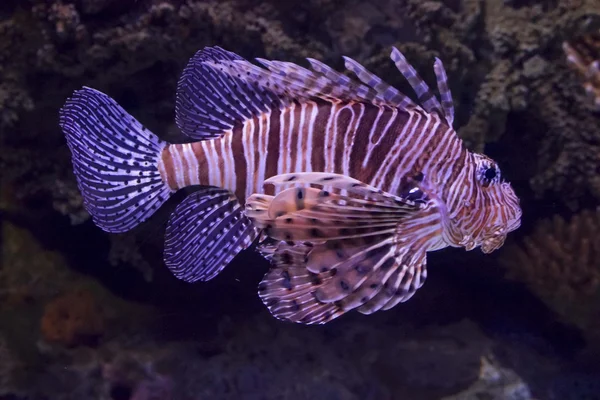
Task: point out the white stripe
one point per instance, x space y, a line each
349 139
300 157
215 168
309 141
192 162
371 145
248 155
263 144
228 161
288 153
177 166
328 148
379 176
417 153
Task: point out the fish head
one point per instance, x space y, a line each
490 210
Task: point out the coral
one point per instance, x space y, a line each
583 54
529 78
559 262
495 383
125 249
13 100
261 358
28 271
7 368
73 318
510 82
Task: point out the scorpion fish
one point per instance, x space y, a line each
343 183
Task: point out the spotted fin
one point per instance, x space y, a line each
287 288
400 286
374 277
347 209
356 247
204 233
330 182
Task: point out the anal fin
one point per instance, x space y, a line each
204 233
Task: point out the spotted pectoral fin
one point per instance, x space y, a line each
334 207
336 182
400 286
376 276
206 230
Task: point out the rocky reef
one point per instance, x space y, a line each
85 315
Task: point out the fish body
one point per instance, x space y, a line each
347 183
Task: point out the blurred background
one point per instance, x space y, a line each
88 315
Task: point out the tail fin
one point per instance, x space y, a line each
115 160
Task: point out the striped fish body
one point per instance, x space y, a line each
347 183
379 145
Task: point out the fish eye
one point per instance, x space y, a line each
489 174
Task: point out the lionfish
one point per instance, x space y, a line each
583 54
343 184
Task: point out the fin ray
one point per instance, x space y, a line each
210 102
115 160
444 89
426 97
391 95
204 233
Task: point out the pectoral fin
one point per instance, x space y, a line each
353 247
374 278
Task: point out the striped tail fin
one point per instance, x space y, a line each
115 159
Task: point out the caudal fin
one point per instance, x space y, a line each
115 160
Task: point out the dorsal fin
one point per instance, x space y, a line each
389 93
218 89
444 89
209 102
288 80
426 97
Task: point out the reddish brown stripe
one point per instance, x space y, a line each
169 170
343 120
361 141
273 149
184 164
387 142
296 129
202 163
240 163
318 148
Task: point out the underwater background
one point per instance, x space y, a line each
90 315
